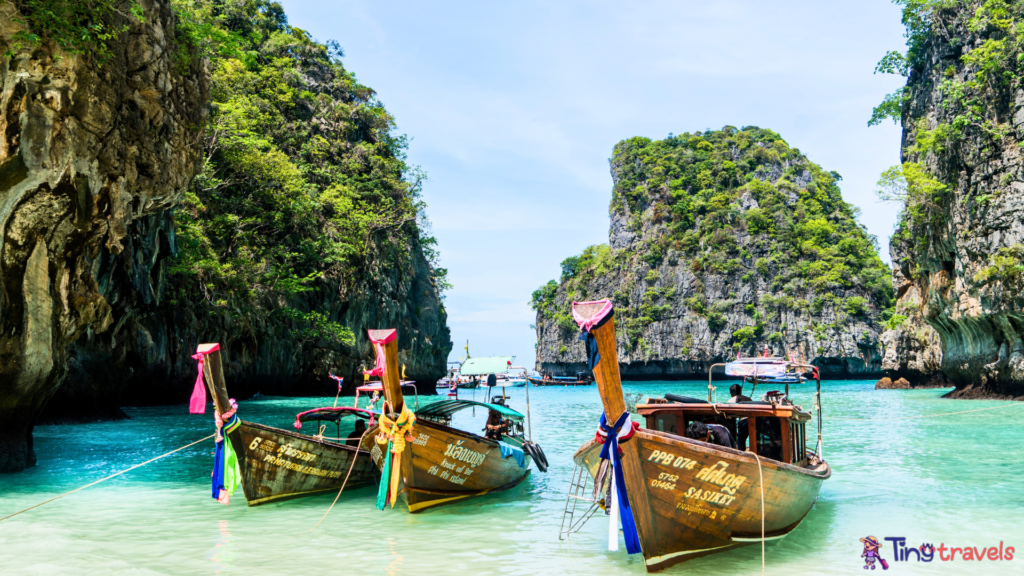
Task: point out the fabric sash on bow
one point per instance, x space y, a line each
586 325
394 433
378 346
226 472
620 497
197 403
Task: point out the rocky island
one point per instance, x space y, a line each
723 242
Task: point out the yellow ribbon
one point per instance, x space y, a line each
396 431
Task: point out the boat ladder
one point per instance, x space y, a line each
577 491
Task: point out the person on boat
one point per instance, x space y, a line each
736 394
710 433
496 425
357 434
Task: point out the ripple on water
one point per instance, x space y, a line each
954 480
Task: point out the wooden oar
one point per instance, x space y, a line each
390 381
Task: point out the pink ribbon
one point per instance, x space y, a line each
586 325
197 403
378 345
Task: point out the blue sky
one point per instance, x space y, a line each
513 109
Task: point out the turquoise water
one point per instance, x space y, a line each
953 480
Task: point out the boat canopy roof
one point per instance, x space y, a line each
486 365
332 414
377 386
766 367
445 408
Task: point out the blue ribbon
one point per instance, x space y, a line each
218 469
219 457
610 451
593 355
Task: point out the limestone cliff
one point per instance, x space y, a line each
957 252
87 152
720 242
117 175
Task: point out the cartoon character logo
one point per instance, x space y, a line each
870 554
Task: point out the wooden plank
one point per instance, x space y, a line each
787 441
606 373
752 434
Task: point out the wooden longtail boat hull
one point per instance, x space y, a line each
278 464
539 382
445 465
691 498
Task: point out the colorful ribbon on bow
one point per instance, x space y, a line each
620 497
226 472
197 403
587 325
395 433
378 346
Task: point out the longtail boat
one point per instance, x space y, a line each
559 381
425 461
272 463
679 498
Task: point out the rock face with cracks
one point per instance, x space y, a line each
89 155
958 249
94 162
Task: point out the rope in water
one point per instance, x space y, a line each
931 415
350 467
761 477
109 477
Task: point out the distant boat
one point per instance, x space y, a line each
560 381
686 497
439 464
278 464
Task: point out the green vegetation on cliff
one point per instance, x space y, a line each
303 177
975 82
699 179
701 194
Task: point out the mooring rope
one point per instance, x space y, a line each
350 467
109 477
931 415
761 477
